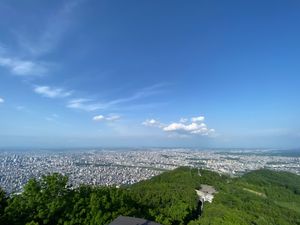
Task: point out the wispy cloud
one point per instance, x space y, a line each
23 67
44 42
113 117
85 104
143 93
92 105
195 127
54 29
52 92
1 100
110 118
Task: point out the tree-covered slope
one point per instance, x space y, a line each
170 198
259 197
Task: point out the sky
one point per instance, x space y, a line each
107 73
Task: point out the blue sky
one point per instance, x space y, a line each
149 73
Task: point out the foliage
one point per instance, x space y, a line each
258 198
3 204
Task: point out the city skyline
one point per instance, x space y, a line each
149 73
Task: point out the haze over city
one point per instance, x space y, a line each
206 74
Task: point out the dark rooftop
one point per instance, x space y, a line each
125 220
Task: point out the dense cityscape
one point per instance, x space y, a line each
121 167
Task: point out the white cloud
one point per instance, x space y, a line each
110 118
191 128
198 119
23 67
174 127
196 127
52 92
98 118
1 100
152 123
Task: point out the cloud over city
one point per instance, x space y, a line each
192 126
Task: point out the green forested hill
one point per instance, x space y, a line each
259 197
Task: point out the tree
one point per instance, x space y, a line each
3 204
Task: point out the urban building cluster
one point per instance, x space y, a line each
122 167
